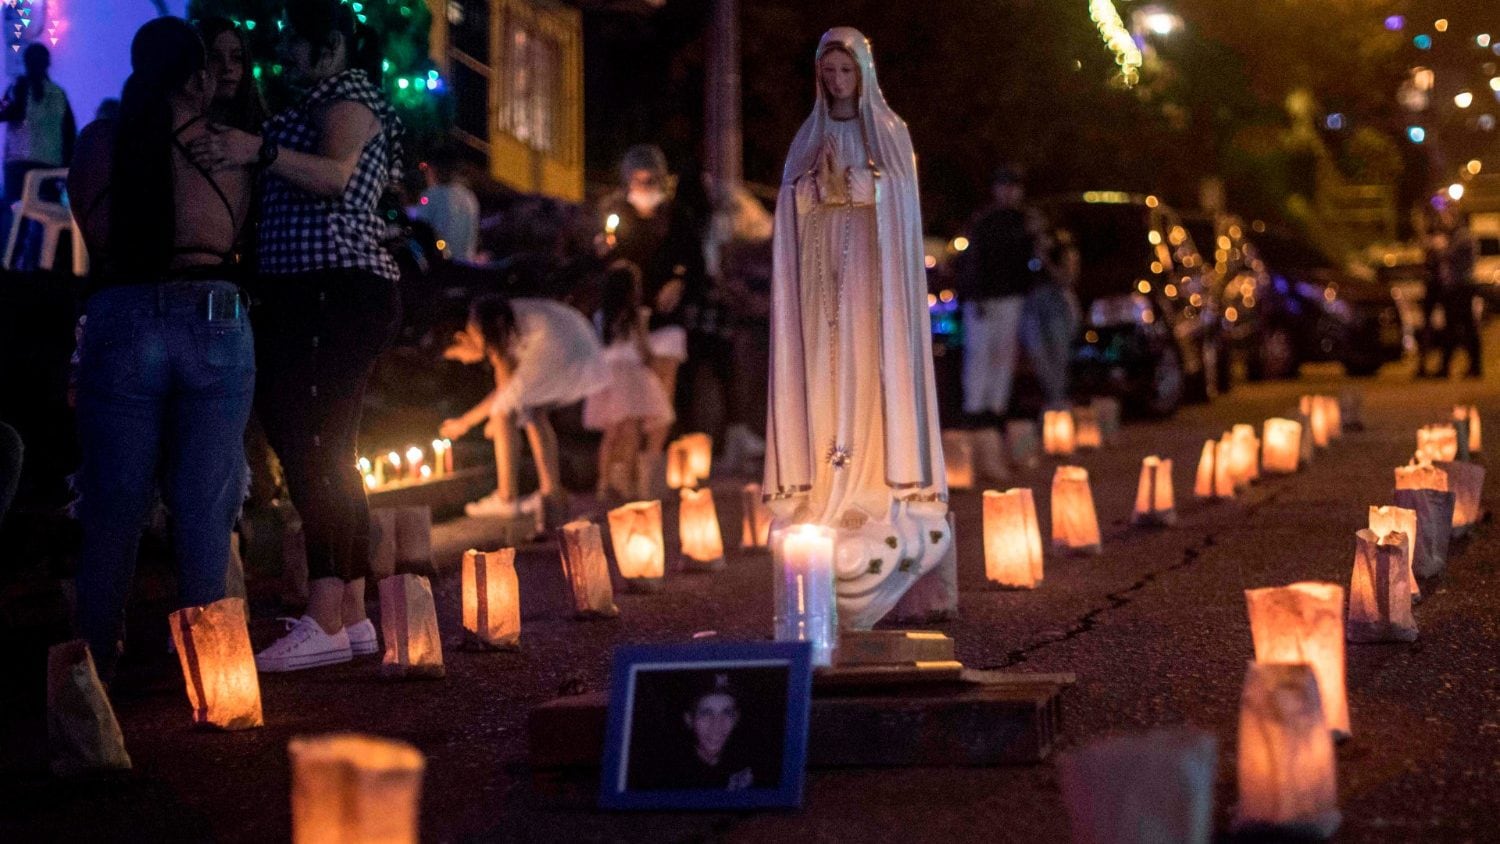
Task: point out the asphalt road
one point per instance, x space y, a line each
1155 629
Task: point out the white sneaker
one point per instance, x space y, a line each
362 641
530 505
305 646
493 505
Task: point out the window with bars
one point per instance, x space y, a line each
532 74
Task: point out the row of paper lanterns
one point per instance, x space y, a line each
971 454
1012 536
1294 702
364 788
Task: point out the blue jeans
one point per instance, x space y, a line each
164 391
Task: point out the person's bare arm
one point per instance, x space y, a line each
452 429
347 127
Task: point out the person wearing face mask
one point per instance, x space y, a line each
166 361
656 232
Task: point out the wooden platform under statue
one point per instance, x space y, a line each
895 699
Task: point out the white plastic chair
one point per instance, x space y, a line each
54 217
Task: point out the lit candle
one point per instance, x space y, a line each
1390 519
439 465
1286 764
351 787
394 458
1379 592
447 457
679 466
1246 454
1012 539
1470 414
636 534
367 472
1214 478
1281 447
1075 524
1466 480
698 530
1437 442
1316 411
1421 475
414 462
1154 499
757 522
1087 432
805 608
958 458
1304 622
1057 432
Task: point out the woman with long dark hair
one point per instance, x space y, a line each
39 127
237 98
326 304
167 362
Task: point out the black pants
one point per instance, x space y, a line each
316 339
1459 329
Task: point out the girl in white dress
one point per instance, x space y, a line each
633 409
545 355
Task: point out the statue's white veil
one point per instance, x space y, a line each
913 448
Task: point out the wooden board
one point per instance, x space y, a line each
446 495
891 647
988 719
897 674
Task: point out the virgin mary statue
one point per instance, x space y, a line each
852 436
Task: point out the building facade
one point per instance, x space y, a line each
515 68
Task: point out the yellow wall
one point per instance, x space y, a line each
513 162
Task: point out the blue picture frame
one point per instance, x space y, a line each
653 740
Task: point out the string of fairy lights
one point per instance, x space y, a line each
39 21
1118 38
410 80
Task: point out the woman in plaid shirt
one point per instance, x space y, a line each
326 305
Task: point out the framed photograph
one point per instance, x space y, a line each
707 726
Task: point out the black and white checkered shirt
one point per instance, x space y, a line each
300 232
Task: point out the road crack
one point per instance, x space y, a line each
1122 597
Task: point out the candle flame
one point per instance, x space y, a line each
640 549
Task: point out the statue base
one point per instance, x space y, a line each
933 599
889 657
969 719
